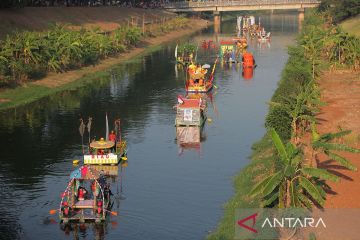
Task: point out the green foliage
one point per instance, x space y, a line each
340 10
325 144
296 97
296 75
30 55
292 185
26 55
187 48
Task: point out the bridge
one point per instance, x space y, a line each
239 5
218 6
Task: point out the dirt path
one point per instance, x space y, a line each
341 92
55 80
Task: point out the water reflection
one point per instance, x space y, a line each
188 138
83 230
38 143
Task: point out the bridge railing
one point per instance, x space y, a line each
224 3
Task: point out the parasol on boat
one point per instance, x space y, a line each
206 66
102 144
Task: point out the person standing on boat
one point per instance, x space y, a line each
112 138
82 192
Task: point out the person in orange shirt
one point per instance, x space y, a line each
112 138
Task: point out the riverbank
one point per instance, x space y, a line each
293 113
72 79
340 91
105 18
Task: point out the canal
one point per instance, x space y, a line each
165 191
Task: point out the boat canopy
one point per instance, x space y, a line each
102 144
85 172
189 103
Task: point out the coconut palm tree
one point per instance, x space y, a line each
292 185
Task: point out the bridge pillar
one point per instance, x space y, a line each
217 21
301 17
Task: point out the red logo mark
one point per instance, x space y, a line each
253 217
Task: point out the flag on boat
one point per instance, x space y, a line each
180 99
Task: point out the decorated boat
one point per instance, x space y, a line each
185 54
190 112
230 49
247 22
207 44
200 80
264 37
109 150
87 197
226 46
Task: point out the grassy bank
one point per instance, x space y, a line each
352 26
73 79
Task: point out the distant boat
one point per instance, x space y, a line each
264 37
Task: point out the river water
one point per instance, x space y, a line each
165 192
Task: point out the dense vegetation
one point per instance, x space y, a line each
30 55
340 10
298 182
283 172
320 45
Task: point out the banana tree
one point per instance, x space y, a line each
324 144
292 184
312 41
31 44
301 109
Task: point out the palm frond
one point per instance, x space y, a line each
320 173
273 183
331 136
270 200
305 200
335 146
312 190
342 161
260 186
279 146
